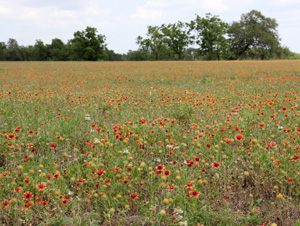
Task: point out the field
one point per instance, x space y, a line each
151 143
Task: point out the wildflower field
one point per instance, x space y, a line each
150 143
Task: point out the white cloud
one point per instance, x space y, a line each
286 2
144 15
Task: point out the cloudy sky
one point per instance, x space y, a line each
121 21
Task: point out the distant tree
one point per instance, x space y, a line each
87 45
57 50
177 38
25 52
210 36
2 51
112 56
191 54
154 44
39 51
137 55
254 36
12 51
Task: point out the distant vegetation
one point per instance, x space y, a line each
205 38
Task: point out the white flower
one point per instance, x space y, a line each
183 223
169 146
87 117
126 151
96 141
177 210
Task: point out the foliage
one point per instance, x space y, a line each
177 38
2 51
88 45
57 50
39 51
13 52
211 31
254 36
154 44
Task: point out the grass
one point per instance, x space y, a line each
150 143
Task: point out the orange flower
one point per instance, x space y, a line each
290 180
42 186
5 204
239 137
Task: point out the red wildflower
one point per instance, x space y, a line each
27 205
56 175
133 196
239 137
276 163
160 168
216 164
290 180
26 181
5 204
42 186
45 203
295 158
225 198
261 125
170 188
190 185
39 200
167 173
194 193
27 195
53 145
10 136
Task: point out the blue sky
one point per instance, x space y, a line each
122 21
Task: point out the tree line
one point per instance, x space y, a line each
254 36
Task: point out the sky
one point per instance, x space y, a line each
123 21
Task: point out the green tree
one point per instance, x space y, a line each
26 52
39 51
88 45
112 56
2 51
137 55
177 38
13 52
254 36
211 32
154 43
57 50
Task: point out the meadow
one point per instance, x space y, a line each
150 143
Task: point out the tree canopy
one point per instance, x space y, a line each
88 45
254 36
211 31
